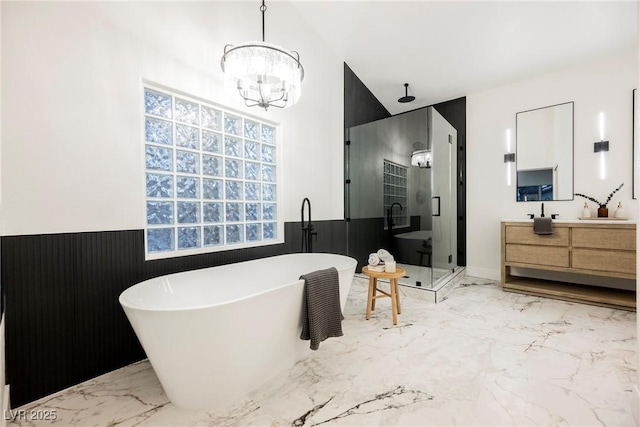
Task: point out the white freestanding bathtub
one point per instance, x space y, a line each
215 334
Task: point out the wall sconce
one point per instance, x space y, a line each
509 157
421 158
601 147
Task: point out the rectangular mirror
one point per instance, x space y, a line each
544 153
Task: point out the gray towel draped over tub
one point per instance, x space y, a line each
321 314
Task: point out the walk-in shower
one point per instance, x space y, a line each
407 160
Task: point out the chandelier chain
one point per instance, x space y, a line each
263 9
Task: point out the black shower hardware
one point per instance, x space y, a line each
406 97
390 223
307 229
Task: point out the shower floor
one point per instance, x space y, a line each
422 275
443 281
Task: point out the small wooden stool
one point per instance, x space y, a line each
393 289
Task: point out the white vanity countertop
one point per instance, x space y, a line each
577 221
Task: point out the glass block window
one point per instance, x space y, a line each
211 177
395 190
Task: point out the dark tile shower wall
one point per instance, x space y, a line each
64 324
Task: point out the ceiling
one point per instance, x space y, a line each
449 49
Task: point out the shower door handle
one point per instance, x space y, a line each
435 206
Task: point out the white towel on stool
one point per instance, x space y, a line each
378 268
384 255
374 259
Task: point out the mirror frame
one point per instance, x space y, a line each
572 149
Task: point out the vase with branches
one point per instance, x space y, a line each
603 211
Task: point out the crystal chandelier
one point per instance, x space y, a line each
264 74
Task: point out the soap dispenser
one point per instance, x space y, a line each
586 212
619 213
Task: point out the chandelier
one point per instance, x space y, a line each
421 158
264 74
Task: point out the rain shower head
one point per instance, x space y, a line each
406 97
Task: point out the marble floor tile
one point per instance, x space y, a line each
480 356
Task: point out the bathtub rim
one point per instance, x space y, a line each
126 303
409 235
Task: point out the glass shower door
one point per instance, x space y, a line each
407 209
443 201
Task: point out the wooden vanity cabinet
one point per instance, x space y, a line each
581 247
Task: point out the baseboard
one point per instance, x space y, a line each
484 273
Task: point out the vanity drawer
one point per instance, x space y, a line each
604 238
537 255
598 260
526 236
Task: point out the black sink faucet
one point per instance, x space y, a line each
390 223
553 216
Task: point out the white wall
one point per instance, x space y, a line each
635 399
72 157
3 407
604 86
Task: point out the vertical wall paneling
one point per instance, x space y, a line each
64 323
107 264
331 237
40 293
